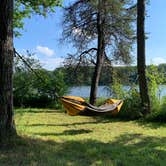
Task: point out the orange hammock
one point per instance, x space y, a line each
77 106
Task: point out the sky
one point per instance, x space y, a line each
42 37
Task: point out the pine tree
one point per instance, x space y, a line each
141 57
99 30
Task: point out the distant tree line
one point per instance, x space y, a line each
126 74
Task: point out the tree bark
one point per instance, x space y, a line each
7 126
141 65
100 54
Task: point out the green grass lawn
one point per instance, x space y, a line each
52 138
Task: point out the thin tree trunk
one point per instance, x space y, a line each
100 54
141 56
96 76
7 126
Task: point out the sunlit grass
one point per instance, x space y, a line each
49 137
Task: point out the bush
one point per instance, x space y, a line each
131 106
30 91
158 115
33 102
155 79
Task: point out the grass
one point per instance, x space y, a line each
52 138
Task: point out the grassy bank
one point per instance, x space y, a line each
50 138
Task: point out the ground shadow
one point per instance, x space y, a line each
125 150
97 119
66 133
33 110
153 125
68 124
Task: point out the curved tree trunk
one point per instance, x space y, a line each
100 53
141 57
7 126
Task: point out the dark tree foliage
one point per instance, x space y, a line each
27 8
126 74
101 31
35 86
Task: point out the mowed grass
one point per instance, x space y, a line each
52 138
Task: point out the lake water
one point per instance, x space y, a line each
84 91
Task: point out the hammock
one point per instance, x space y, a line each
77 106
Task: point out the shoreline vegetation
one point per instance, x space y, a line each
125 74
30 91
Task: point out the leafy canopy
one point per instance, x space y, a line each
26 9
36 87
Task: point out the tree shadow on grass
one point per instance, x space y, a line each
96 119
141 122
66 133
125 150
68 124
152 125
33 110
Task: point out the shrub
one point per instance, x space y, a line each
131 106
158 115
155 79
30 91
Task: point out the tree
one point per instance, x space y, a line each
7 125
143 87
23 8
34 86
107 25
101 21
26 9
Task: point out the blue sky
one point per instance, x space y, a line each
155 26
41 35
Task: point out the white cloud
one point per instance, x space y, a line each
158 60
45 50
52 63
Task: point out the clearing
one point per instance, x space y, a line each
52 138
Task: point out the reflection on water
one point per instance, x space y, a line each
103 91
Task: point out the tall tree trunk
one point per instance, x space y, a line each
100 53
7 126
143 87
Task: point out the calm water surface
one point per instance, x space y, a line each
84 91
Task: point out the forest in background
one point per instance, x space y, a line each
41 88
125 74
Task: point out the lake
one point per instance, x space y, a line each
84 91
